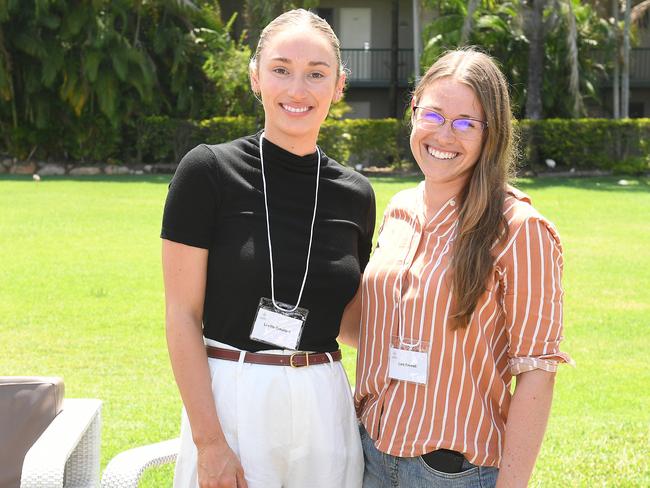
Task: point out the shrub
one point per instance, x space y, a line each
371 142
92 138
162 139
223 129
617 145
606 144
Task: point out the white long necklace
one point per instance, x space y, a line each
268 232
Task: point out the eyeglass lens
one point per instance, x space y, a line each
461 125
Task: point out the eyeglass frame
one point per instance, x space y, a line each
484 124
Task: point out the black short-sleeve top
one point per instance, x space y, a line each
216 202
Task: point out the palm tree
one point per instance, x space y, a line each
394 47
467 24
638 11
538 43
572 45
625 81
533 11
616 87
632 16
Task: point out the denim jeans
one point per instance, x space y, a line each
386 471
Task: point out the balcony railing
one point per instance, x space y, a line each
372 67
639 67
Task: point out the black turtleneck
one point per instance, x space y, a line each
216 202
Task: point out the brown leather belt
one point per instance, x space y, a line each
295 360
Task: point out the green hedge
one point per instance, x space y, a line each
618 145
164 140
371 142
350 141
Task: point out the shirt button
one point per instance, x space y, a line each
452 203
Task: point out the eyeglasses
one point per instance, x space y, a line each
464 128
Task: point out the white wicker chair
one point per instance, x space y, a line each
126 469
67 452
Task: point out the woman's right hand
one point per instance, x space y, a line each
184 270
219 467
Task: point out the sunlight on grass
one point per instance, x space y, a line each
81 297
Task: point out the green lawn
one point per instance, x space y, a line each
81 296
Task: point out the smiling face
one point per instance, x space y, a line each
297 79
444 158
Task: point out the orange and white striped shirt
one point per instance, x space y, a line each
516 327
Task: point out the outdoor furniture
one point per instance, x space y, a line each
126 469
46 441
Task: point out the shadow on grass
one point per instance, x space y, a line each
605 183
599 183
415 179
156 179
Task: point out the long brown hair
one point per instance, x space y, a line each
481 220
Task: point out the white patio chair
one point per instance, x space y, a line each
126 469
67 453
47 441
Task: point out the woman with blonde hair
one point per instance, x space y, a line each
462 294
264 242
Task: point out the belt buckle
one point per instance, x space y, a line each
306 354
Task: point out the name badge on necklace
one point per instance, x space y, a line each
409 360
278 327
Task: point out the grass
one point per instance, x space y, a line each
81 297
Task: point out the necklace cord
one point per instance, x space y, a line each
268 232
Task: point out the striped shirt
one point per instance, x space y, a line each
516 327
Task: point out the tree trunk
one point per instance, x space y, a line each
394 50
228 8
136 35
625 89
535 30
467 24
9 70
416 40
616 85
574 78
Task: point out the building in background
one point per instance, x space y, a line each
381 39
639 63
377 46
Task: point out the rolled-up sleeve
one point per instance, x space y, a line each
533 297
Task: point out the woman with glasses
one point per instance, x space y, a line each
462 294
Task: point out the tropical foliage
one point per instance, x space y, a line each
75 72
575 42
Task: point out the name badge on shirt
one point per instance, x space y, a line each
409 361
278 327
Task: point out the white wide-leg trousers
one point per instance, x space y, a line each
290 427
